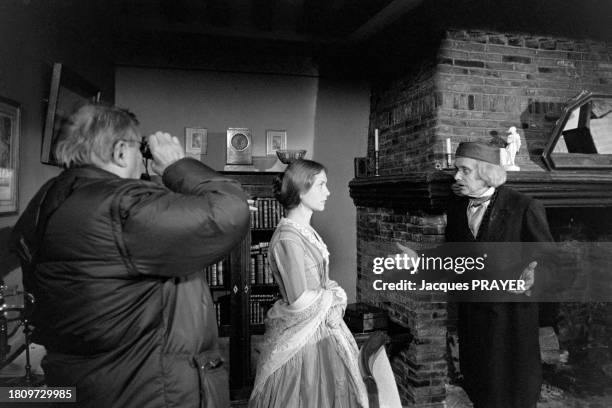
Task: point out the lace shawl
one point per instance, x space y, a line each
291 327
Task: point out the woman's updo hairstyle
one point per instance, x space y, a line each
296 179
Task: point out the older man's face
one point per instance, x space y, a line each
467 177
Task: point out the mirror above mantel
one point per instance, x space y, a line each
582 137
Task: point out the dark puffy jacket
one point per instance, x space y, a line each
122 306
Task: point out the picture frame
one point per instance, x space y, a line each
275 140
68 91
196 141
10 135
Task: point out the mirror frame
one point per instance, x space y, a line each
574 161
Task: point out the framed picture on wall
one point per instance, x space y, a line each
196 141
275 140
10 133
68 91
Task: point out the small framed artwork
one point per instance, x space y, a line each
275 140
10 132
196 141
68 92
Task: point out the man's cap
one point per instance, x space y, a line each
478 151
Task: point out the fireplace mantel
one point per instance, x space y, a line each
430 191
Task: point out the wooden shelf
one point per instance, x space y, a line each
264 286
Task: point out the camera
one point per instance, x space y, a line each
145 150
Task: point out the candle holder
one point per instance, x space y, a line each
376 163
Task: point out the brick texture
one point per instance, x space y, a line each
478 85
420 367
481 84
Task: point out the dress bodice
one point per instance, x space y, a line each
298 259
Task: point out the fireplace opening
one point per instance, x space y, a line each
583 329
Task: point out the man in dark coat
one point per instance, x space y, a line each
498 341
115 264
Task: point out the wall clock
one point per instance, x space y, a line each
239 146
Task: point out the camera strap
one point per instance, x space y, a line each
50 197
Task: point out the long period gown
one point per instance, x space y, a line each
308 359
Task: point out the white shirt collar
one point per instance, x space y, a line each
488 192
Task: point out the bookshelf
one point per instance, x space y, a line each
242 284
216 276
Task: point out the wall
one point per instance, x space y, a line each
26 55
324 116
482 83
341 125
404 111
171 100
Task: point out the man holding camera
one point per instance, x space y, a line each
115 265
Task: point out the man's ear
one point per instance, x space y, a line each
119 153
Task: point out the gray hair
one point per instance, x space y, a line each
94 129
492 174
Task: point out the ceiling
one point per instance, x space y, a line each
330 21
299 21
349 32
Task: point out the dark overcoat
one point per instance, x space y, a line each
122 305
499 341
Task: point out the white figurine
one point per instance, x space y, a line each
513 144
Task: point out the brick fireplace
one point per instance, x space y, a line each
476 86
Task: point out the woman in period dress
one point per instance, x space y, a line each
308 357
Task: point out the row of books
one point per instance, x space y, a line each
222 310
218 308
268 214
214 273
259 269
258 307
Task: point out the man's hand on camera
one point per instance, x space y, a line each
165 149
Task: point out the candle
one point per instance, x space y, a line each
375 140
449 160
